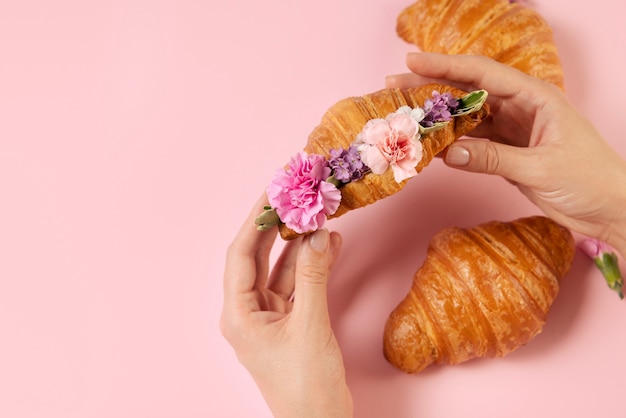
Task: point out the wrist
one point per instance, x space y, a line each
314 404
618 239
617 228
610 198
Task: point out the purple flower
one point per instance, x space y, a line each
301 195
439 108
346 165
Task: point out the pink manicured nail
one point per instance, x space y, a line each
319 240
457 156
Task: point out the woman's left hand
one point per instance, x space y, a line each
287 344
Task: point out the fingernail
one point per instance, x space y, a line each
457 156
319 240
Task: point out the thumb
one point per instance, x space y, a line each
312 270
489 157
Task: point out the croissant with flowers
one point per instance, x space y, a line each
366 149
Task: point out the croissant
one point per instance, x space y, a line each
341 124
481 292
507 32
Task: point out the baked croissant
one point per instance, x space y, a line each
481 292
341 124
507 32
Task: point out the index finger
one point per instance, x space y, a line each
470 70
247 259
409 80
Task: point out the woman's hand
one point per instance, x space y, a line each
286 343
538 141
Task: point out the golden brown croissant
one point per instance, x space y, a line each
342 123
481 292
507 32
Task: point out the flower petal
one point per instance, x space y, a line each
400 174
374 132
374 159
418 114
591 247
402 110
331 196
404 124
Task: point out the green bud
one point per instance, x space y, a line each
267 219
608 265
471 102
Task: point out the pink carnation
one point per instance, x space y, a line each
594 248
606 260
301 195
391 142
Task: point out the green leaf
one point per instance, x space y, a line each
471 102
436 126
609 267
337 183
267 219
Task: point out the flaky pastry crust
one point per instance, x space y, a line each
507 32
343 121
481 292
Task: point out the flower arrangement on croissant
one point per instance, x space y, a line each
481 292
365 149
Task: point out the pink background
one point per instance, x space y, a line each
134 137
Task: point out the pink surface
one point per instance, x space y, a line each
134 137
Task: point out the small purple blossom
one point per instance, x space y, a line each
346 165
439 108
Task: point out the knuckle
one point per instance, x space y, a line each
491 160
314 273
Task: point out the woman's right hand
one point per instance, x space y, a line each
538 141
